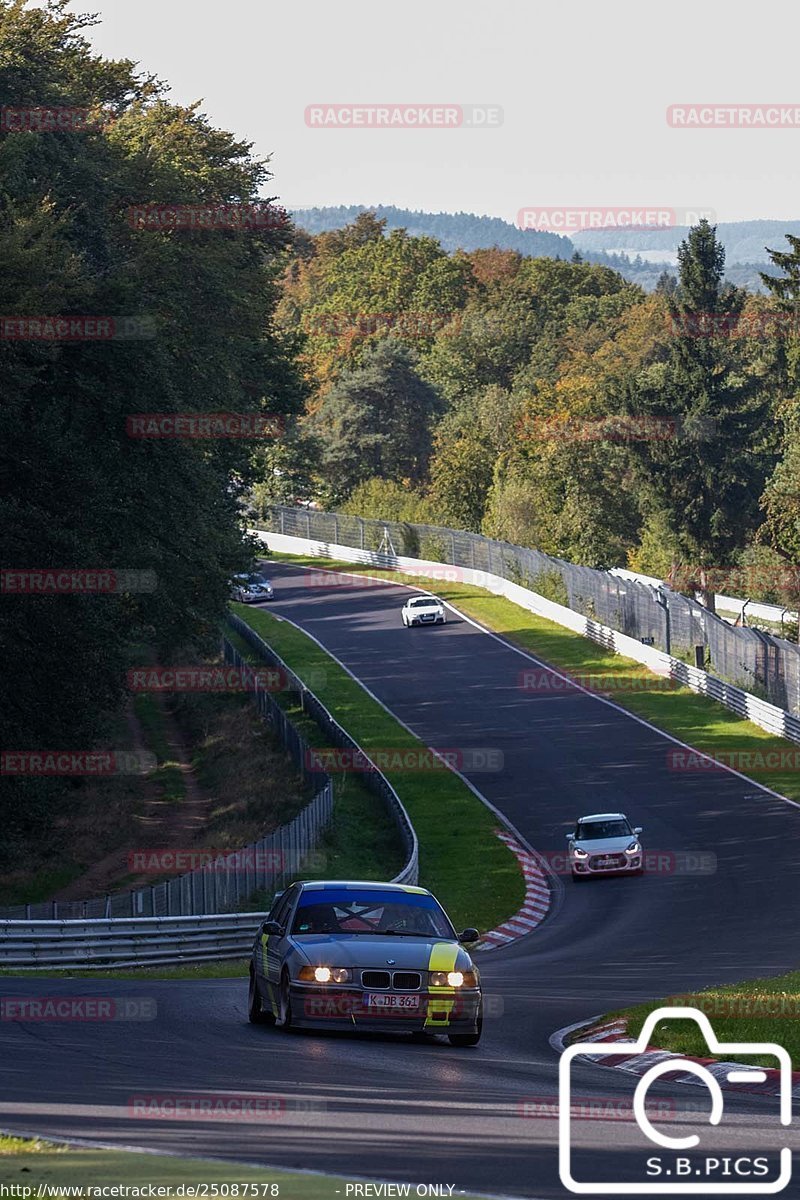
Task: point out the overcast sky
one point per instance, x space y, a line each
584 89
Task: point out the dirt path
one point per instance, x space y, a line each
162 824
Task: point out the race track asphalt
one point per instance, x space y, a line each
482 1119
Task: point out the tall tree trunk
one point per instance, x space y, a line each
707 593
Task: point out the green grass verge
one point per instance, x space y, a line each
759 1010
235 968
362 841
471 871
40 885
168 775
31 1164
701 722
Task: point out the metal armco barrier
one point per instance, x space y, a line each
137 941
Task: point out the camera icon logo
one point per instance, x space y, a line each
685 1174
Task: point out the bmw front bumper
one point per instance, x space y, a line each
346 1007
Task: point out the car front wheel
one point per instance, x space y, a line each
286 1004
255 1011
467 1039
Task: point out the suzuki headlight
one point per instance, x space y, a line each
576 850
634 848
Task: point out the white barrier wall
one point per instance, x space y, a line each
745 704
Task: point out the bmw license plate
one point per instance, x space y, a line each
382 1000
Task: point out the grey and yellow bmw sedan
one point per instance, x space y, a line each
364 956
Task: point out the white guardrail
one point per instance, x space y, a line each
745 704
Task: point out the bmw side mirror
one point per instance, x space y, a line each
469 935
271 927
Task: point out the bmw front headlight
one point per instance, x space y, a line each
324 975
454 979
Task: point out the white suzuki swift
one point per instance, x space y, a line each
605 844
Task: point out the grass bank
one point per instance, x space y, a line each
362 841
758 1010
33 1164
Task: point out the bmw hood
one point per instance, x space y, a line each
412 954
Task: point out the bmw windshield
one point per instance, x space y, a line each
387 913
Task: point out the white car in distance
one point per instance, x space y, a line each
423 610
605 844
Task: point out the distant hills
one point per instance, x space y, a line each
454 231
640 256
744 241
